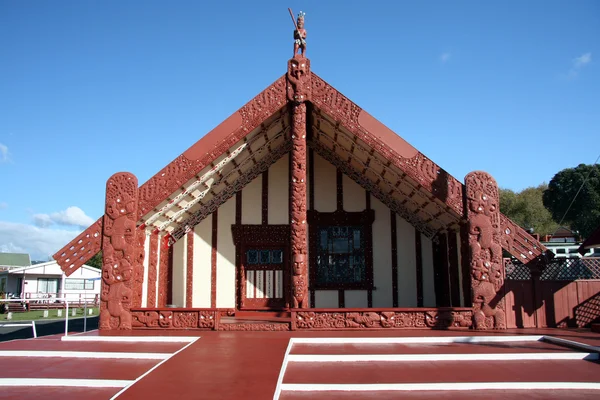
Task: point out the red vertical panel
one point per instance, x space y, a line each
509 298
522 299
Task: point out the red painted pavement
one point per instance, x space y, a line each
57 345
450 348
57 393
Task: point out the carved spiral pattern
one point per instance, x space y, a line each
331 320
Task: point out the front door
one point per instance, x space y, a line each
263 277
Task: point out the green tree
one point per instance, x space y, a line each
96 261
584 214
527 210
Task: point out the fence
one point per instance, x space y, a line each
566 294
62 301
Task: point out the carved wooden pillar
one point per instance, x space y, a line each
298 91
120 252
485 250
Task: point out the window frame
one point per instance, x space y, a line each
318 220
84 283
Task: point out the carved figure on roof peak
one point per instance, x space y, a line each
299 33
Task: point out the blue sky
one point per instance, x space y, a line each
90 88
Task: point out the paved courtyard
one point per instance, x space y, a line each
417 364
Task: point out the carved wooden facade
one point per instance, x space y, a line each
300 118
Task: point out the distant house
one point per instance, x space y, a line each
9 260
45 281
565 243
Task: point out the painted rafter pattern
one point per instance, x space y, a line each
391 180
229 191
366 184
195 191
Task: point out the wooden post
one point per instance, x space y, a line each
298 91
120 251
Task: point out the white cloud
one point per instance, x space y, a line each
3 205
4 154
578 63
72 216
40 243
444 57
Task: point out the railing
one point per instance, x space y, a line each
62 300
45 298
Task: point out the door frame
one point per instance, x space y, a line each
246 236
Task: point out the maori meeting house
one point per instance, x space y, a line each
301 211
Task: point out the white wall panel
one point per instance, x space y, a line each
355 199
325 185
179 272
382 255
202 263
356 299
279 192
251 203
226 255
326 299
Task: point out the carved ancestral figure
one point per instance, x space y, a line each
480 224
299 33
299 281
485 249
298 76
484 292
121 252
122 228
116 294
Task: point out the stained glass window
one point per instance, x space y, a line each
341 256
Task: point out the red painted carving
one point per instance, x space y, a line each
485 250
152 270
81 249
175 319
298 218
415 318
189 282
299 34
298 79
214 203
518 242
120 249
244 326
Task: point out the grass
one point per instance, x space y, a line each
52 315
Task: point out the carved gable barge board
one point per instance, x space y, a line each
521 244
391 146
228 192
183 168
